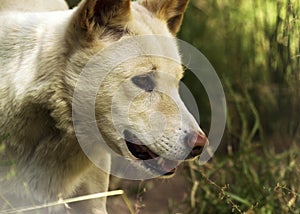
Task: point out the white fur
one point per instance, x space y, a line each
40 62
32 5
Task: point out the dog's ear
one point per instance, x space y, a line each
95 15
171 11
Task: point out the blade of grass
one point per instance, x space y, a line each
128 204
238 198
66 201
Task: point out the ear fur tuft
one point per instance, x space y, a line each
93 15
171 11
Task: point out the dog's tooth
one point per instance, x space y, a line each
160 161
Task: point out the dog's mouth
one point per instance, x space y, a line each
150 159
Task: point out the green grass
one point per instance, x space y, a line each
255 48
252 180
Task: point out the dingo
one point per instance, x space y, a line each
41 57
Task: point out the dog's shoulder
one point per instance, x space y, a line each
33 5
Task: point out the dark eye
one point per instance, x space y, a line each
144 82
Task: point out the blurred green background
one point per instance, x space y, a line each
254 46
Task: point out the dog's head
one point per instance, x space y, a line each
138 107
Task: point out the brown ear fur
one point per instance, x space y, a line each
171 11
92 15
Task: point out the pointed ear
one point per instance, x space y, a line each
171 11
93 15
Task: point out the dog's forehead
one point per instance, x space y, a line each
167 68
144 23
156 67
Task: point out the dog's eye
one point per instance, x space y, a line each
144 82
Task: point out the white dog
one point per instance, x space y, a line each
42 55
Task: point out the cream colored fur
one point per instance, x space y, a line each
32 5
41 57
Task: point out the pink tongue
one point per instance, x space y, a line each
169 165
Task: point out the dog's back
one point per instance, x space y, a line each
7 193
32 5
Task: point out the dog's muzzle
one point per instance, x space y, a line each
195 142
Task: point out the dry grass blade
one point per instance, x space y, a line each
128 203
66 201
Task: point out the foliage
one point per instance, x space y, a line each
255 48
73 3
259 182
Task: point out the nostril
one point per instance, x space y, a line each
196 151
195 140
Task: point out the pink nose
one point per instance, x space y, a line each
197 140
